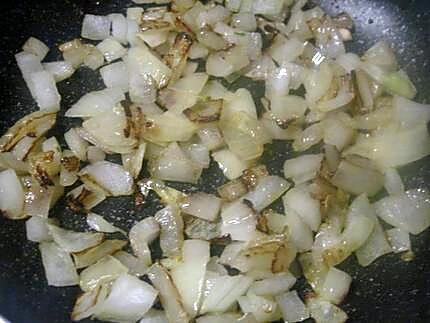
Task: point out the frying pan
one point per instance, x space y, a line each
389 290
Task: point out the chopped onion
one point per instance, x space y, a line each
90 256
11 195
38 200
45 91
337 133
60 70
103 271
264 309
95 27
111 49
28 64
336 285
37 229
288 107
299 232
58 265
129 299
292 307
325 312
410 113
409 211
277 284
119 27
135 265
95 154
115 75
141 235
285 50
168 294
309 137
36 47
268 7
304 205
132 162
398 239
154 316
96 102
76 144
83 198
318 82
171 231
303 168
111 177
94 59
202 205
189 276
98 223
239 221
244 21
393 182
74 241
87 302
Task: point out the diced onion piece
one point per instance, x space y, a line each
264 309
82 197
410 113
202 205
103 271
277 83
221 292
115 75
98 223
267 7
298 231
154 37
268 190
132 162
309 137
38 200
111 177
304 205
349 61
356 180
28 64
135 265
292 307
45 91
277 284
285 50
244 21
95 27
36 47
111 49
198 153
374 247
119 27
60 70
239 221
76 144
168 294
171 231
393 182
325 312
409 211
336 285
95 154
154 316
197 50
288 107
210 137
87 302
58 265
337 133
96 102
11 195
141 235
142 88
399 83
189 276
144 62
37 229
303 168
94 59
174 165
75 241
318 82
398 239
229 163
90 256
129 299
381 54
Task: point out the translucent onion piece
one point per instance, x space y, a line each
129 299
168 294
277 284
283 50
267 191
264 309
410 113
83 198
317 83
141 235
94 59
37 230
202 205
45 91
325 312
288 107
111 177
119 27
270 7
11 195
409 211
337 133
58 265
74 241
154 316
398 239
336 285
88 257
111 49
292 307
198 154
132 162
115 75
135 265
298 231
239 221
96 102
230 164
393 182
87 302
38 200
171 233
103 271
98 223
189 276
28 64
303 168
60 70
95 154
36 47
304 205
221 292
76 144
95 27
308 137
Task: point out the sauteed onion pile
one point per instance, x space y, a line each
169 111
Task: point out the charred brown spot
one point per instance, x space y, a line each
70 163
251 176
42 177
32 134
262 223
77 204
139 199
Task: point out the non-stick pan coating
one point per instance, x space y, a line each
389 290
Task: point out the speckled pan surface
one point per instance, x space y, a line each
389 290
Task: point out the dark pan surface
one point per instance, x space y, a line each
389 290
